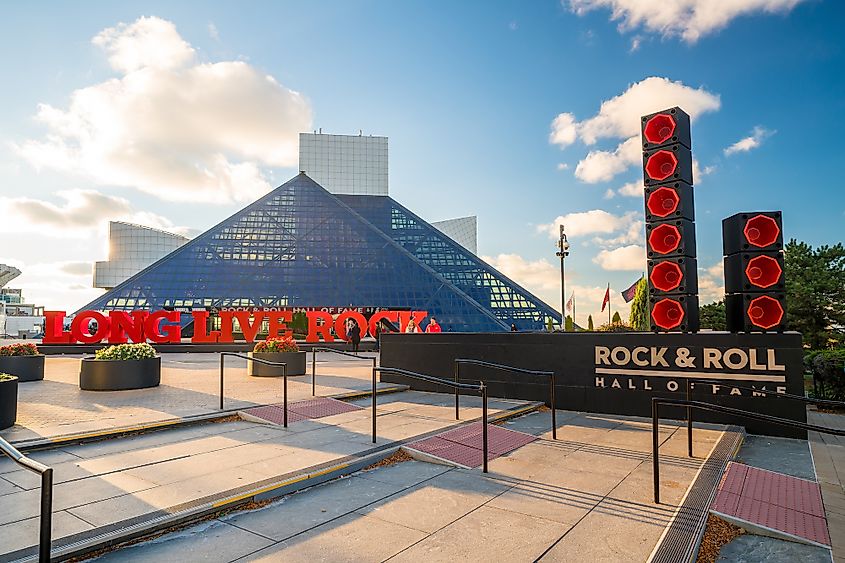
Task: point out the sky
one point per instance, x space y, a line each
177 114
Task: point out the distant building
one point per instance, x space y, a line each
131 249
463 230
18 319
345 164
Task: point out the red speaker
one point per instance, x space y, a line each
665 128
669 201
754 272
668 164
674 313
758 231
748 312
670 238
672 275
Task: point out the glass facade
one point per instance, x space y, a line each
300 246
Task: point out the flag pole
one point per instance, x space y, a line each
608 303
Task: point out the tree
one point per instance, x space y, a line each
616 318
712 316
815 292
590 323
638 318
568 325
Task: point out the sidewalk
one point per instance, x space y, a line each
829 458
190 385
116 483
585 497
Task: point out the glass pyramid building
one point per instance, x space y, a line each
301 246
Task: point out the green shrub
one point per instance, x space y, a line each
6 377
276 345
19 350
828 367
141 351
614 327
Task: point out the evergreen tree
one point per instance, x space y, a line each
568 325
638 318
616 318
590 323
815 292
712 316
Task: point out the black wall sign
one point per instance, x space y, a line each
619 373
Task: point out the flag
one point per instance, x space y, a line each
628 294
570 303
606 298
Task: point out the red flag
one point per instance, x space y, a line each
606 298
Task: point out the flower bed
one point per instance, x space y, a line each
273 349
23 361
121 367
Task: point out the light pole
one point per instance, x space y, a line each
562 253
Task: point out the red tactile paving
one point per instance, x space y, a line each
302 410
776 501
464 445
320 407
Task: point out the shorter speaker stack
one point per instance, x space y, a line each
670 221
755 287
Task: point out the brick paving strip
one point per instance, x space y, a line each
121 482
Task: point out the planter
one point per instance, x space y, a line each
295 363
25 368
8 402
119 375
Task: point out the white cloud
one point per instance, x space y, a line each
62 286
631 189
688 19
631 233
635 188
562 166
636 41
170 126
601 166
711 283
81 214
631 257
618 118
213 32
587 222
609 194
751 142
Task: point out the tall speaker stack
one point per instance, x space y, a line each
670 221
754 275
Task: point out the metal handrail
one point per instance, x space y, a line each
46 521
341 352
480 387
283 365
657 401
690 381
514 369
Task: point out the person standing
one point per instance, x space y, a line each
355 335
433 326
513 327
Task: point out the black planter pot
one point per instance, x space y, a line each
25 368
295 363
8 402
119 375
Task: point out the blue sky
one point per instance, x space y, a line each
467 93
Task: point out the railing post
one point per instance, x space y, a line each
374 405
554 408
45 538
689 421
457 391
655 446
484 423
314 372
285 392
222 355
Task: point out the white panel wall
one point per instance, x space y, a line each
131 249
345 164
463 230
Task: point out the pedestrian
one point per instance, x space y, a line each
354 335
411 327
513 327
433 326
